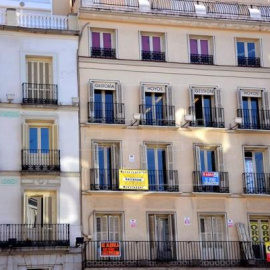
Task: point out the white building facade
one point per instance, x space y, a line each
39 137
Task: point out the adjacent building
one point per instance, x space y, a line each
179 91
39 136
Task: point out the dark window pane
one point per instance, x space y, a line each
33 139
251 49
240 49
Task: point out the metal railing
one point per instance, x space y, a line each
103 53
249 61
40 160
210 117
201 59
2 16
106 112
157 115
256 183
119 3
34 235
36 93
200 184
153 56
173 5
254 119
172 254
108 179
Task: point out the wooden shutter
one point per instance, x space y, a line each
98 228
91 99
265 100
25 208
192 103
114 164
96 162
197 158
206 230
114 228
169 165
218 228
119 101
102 228
244 238
239 99
48 210
219 155
142 94
55 137
144 164
171 229
218 105
170 111
25 136
152 228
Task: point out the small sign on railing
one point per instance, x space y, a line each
110 249
210 178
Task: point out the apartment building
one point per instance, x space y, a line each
39 136
174 120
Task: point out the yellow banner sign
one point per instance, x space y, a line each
133 179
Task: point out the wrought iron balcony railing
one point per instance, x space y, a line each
117 3
34 235
39 94
205 183
40 160
209 117
106 113
157 115
153 56
108 179
171 254
254 119
173 5
249 61
256 183
201 59
103 53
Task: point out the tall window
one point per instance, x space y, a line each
162 235
206 107
105 104
156 107
248 53
158 160
256 181
106 161
152 45
201 51
253 108
103 43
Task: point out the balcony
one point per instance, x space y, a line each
39 94
249 61
34 235
207 117
103 53
40 161
111 3
256 183
106 113
254 119
159 181
171 254
157 115
153 56
201 59
206 182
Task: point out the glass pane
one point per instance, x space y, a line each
98 104
45 140
240 49
161 166
109 110
148 108
251 49
211 161
193 46
159 106
202 160
199 109
33 139
108 156
204 47
151 166
259 162
207 110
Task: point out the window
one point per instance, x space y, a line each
40 146
158 160
256 180
103 43
259 234
248 53
206 107
156 107
39 87
201 51
153 47
253 108
105 104
209 175
106 161
162 236
108 227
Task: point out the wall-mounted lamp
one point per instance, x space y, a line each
238 121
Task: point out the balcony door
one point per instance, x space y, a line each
255 172
154 108
251 114
161 236
212 229
203 110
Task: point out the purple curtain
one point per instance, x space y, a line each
204 47
193 46
156 44
95 40
145 43
107 40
